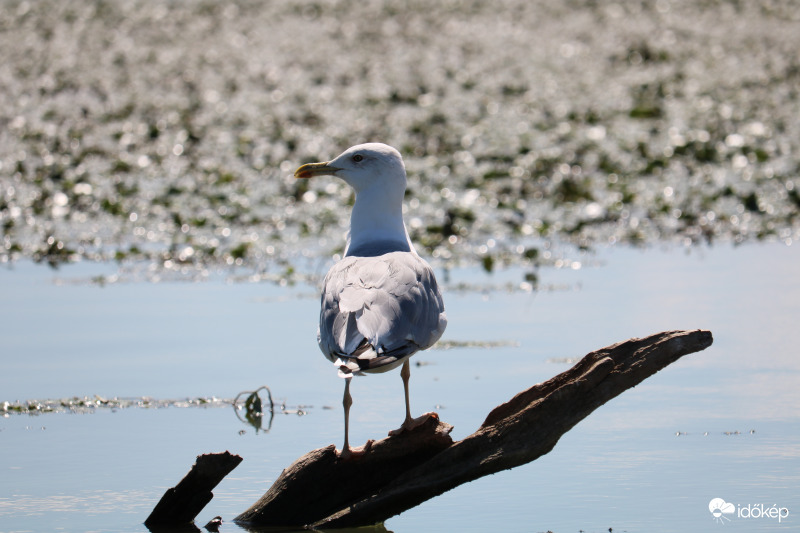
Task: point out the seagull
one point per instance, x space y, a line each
380 303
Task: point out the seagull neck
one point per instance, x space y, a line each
377 221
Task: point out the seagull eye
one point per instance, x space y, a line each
358 158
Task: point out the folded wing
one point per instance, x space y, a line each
376 311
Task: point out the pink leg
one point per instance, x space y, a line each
409 423
348 452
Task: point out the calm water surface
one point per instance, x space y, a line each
650 460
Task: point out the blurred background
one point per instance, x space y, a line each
169 131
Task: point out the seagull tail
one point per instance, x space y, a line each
347 367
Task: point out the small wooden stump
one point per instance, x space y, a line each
181 504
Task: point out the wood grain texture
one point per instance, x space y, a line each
397 473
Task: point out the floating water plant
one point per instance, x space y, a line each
513 128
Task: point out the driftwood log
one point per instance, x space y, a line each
182 503
397 473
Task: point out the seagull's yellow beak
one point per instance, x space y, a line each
309 170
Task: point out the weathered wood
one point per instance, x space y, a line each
319 483
182 503
515 433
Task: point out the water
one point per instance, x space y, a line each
722 423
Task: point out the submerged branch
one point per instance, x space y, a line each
181 504
399 472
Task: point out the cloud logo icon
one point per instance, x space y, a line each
719 508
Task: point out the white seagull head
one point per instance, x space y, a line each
363 167
377 173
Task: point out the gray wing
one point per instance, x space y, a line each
376 311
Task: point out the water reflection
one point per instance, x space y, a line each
627 451
252 411
377 528
184 528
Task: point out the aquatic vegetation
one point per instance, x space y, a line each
251 412
86 404
133 132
